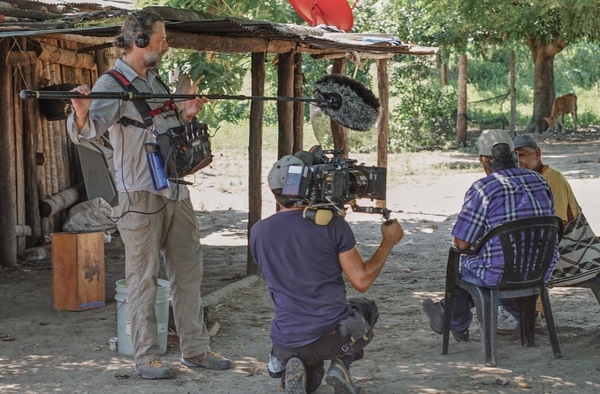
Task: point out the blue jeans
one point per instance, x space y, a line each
463 303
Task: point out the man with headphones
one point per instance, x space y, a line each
506 193
152 223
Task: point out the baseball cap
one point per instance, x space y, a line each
489 138
277 174
525 140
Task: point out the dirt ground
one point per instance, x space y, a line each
45 351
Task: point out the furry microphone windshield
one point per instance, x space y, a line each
348 102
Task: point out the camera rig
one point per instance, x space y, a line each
329 181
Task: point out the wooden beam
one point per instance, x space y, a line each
351 56
65 57
21 58
255 152
88 40
210 42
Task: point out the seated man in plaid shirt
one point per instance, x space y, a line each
506 193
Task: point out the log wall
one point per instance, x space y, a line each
40 164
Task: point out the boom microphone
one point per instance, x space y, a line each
345 100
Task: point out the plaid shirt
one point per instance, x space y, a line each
500 197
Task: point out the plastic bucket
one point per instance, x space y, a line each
163 296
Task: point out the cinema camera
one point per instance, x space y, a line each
328 181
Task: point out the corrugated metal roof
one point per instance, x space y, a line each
99 4
195 22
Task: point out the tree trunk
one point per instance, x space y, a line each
513 95
543 84
461 118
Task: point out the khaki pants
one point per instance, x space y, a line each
153 227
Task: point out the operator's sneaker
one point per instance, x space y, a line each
154 369
507 323
339 378
208 360
295 377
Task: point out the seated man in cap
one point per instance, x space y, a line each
303 262
506 193
579 254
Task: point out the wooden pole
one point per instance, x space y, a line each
340 139
8 214
255 153
23 231
461 119
56 55
30 132
513 94
444 74
59 201
298 106
285 109
383 134
17 115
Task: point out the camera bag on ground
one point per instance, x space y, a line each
184 149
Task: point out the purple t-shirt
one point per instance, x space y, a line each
299 260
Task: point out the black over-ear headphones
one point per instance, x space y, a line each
141 40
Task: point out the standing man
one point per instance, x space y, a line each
303 262
506 193
152 223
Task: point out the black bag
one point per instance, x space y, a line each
185 149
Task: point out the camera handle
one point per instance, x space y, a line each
383 211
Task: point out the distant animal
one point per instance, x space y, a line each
562 106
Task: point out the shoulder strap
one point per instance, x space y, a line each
141 105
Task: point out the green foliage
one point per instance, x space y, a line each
586 118
425 113
582 65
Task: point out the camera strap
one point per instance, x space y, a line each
142 105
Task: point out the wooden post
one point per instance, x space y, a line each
383 134
461 119
513 95
444 74
255 152
340 138
298 105
30 131
8 214
285 109
17 115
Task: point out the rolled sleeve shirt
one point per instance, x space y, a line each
131 167
500 197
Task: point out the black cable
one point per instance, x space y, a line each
115 219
